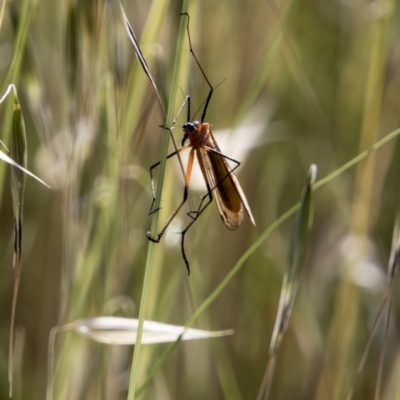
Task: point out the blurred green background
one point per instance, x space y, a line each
299 82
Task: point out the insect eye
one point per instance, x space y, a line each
189 126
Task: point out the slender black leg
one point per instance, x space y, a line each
200 211
185 196
161 233
187 176
153 193
203 115
209 196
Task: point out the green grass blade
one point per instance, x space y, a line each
298 247
146 280
297 251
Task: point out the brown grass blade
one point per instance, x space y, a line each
140 56
18 177
19 161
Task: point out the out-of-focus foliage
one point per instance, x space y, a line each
298 83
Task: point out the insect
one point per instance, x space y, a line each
222 185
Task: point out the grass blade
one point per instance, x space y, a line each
19 161
140 57
123 331
18 177
18 142
149 258
297 251
146 69
3 6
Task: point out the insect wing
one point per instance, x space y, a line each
228 194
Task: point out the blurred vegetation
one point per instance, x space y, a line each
299 82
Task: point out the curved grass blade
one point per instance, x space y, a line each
18 177
19 162
297 251
10 161
4 156
123 331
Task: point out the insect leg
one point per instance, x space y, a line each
203 115
153 193
169 129
211 150
209 195
185 195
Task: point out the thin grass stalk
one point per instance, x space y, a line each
368 345
150 252
26 16
18 178
51 354
229 383
19 347
358 158
266 384
3 7
382 352
140 56
391 273
155 17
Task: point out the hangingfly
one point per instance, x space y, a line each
222 185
